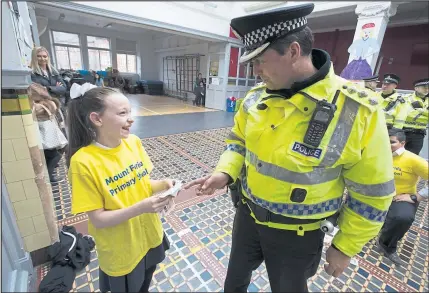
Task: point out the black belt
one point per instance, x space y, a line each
264 215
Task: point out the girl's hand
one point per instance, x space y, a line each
154 204
169 183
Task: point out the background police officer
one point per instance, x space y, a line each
394 105
371 82
418 117
301 137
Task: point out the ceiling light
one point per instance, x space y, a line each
109 25
62 16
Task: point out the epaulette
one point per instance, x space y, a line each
401 99
252 97
360 94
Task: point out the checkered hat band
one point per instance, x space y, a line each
391 80
422 83
258 37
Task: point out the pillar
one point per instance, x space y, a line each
24 170
371 26
34 28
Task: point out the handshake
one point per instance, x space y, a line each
205 186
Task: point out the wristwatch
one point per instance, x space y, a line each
414 198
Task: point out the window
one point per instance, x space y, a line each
99 54
127 62
239 74
67 50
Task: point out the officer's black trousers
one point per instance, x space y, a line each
290 259
398 220
414 142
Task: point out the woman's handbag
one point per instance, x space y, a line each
50 132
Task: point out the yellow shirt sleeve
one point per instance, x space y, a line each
85 194
421 168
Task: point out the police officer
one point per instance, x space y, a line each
408 168
299 138
371 82
417 119
394 105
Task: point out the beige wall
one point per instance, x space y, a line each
22 160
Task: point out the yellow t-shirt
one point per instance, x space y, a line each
113 179
408 167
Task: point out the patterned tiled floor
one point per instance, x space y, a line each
200 233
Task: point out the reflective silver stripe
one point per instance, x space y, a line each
341 133
292 209
233 136
365 210
251 100
399 121
382 189
417 116
317 176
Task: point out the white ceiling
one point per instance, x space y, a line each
73 17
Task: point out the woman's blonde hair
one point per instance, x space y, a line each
35 64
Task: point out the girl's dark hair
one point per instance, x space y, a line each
81 130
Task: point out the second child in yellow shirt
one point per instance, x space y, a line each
407 169
109 172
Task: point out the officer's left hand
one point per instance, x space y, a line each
403 197
336 262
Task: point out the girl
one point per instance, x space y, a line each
99 81
44 106
109 173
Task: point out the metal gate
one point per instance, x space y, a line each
179 74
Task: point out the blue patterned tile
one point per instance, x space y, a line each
389 289
194 228
192 258
413 284
253 288
169 231
213 286
184 218
180 244
187 210
384 267
205 240
219 254
206 276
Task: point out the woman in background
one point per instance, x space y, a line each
46 75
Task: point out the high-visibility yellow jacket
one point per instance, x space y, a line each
354 153
418 117
395 110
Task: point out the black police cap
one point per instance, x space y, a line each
258 31
391 78
421 82
371 78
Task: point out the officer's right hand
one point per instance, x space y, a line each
208 184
